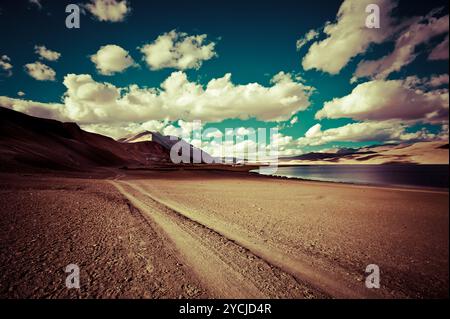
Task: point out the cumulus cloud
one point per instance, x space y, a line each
313 131
244 131
243 143
418 33
108 10
384 131
184 129
121 130
178 51
441 51
309 36
386 100
40 71
111 59
5 65
349 36
285 145
46 54
88 102
214 133
54 111
249 146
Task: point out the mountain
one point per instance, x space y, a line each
417 153
190 153
30 142
27 141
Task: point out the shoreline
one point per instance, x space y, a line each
108 172
443 190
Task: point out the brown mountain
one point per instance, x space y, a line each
433 152
27 141
192 154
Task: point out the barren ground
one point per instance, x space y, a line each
216 234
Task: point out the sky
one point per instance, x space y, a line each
312 70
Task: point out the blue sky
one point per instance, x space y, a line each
253 41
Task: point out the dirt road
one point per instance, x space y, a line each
217 235
234 265
323 235
228 269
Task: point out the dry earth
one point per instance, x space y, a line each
216 234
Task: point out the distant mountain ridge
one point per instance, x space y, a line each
436 152
27 141
30 142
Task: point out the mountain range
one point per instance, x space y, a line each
30 142
27 141
425 153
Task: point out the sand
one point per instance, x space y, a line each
194 234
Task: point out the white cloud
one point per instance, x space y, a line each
120 130
242 131
385 100
253 148
418 33
87 101
285 145
178 50
108 10
54 111
40 71
211 140
313 130
441 51
46 54
172 130
111 59
5 65
308 37
214 134
348 36
384 131
183 130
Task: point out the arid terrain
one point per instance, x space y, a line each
139 226
427 153
202 155
194 234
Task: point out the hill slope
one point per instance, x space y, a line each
419 153
190 155
27 141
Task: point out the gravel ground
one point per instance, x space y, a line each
325 233
49 223
216 234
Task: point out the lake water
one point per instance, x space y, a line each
387 175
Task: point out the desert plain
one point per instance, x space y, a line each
216 234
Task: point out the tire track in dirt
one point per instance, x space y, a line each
227 269
325 280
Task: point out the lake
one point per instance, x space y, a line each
435 176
